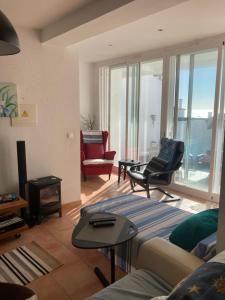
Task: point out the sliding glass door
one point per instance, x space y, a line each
193 116
124 93
117 121
220 129
132 111
150 109
135 109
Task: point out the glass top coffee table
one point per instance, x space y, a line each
88 237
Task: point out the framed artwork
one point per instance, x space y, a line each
8 100
27 116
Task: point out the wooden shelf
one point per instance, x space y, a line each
13 232
13 207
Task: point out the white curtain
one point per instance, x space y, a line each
104 98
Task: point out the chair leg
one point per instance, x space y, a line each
132 185
172 197
109 176
84 178
147 191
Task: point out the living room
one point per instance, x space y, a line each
129 73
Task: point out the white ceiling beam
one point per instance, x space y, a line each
101 16
80 17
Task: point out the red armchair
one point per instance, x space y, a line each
95 160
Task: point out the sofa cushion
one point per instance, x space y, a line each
206 283
140 284
194 229
169 262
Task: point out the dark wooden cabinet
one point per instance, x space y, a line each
44 197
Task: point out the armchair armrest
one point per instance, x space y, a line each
167 260
160 173
138 165
110 155
82 156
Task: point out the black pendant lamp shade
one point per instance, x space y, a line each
9 42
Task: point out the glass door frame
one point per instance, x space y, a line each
127 65
137 99
163 110
162 106
210 195
192 47
109 97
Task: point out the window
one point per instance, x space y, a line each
135 109
150 109
193 115
117 115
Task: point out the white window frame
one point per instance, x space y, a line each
166 54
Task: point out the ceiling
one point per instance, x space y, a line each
37 14
191 20
188 21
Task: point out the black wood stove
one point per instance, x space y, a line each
44 197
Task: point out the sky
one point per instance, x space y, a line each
204 81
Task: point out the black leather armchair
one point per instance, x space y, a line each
160 169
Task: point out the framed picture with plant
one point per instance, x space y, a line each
8 100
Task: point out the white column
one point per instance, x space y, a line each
221 223
104 98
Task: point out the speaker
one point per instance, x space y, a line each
22 168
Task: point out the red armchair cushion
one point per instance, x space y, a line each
110 155
94 151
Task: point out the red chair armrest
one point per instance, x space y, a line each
110 155
82 155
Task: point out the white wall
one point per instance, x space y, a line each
88 99
47 76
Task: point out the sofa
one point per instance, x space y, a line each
161 265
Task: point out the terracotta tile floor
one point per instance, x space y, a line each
75 279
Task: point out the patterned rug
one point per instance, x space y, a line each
26 263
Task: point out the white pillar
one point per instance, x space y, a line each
221 223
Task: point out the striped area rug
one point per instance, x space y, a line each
26 263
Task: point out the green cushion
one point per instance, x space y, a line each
194 229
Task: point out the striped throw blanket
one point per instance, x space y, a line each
92 137
153 218
206 248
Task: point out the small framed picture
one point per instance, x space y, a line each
8 100
27 116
